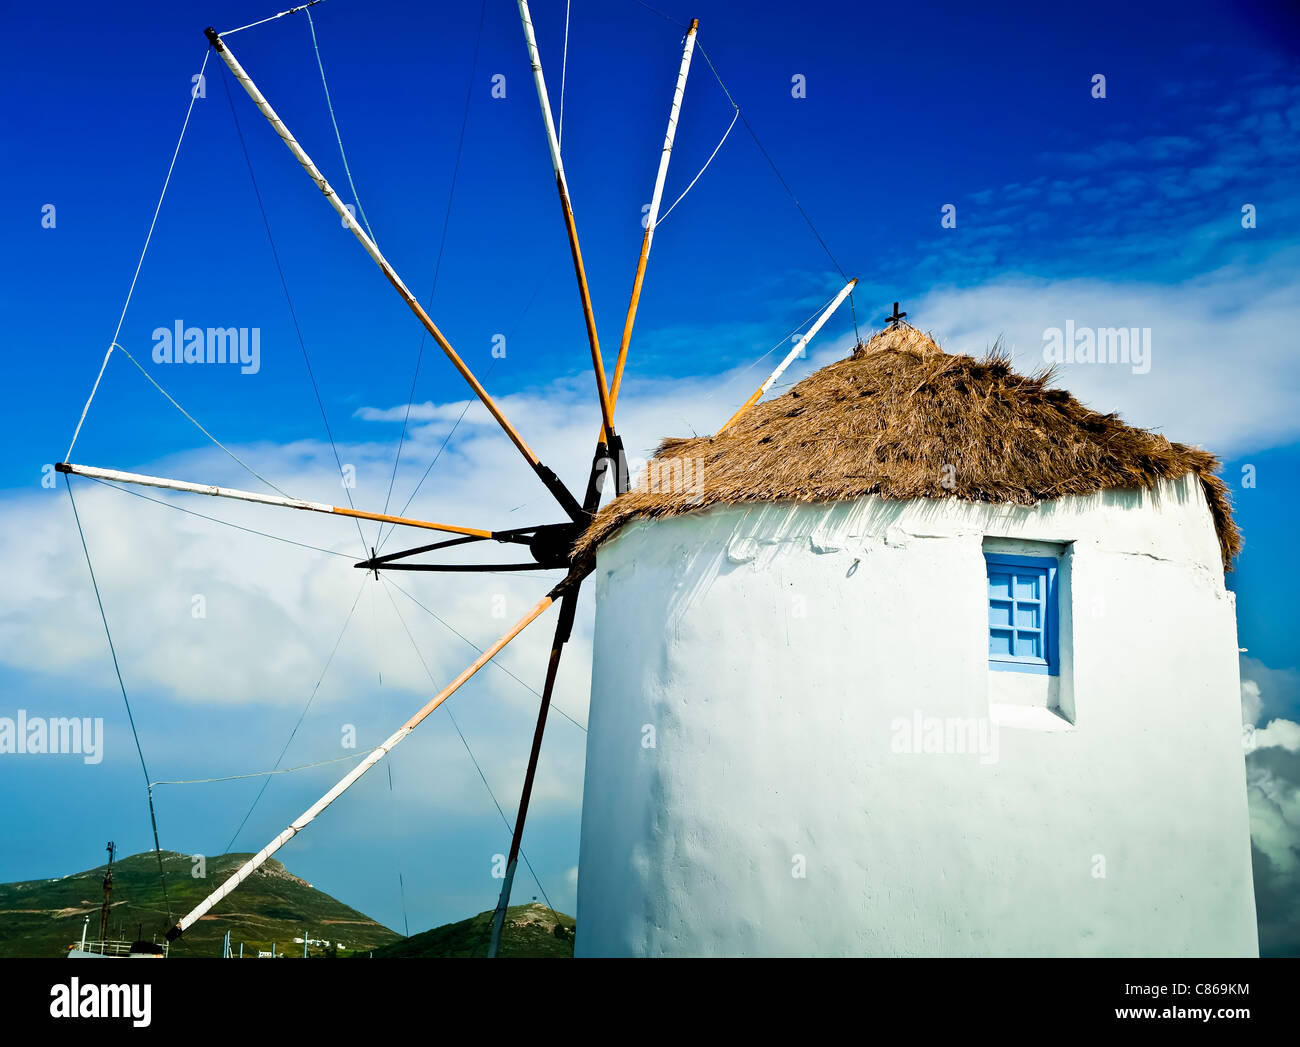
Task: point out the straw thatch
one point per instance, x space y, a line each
901 418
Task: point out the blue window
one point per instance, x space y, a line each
1022 613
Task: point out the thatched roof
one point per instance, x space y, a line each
888 420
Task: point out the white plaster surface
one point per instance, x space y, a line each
777 657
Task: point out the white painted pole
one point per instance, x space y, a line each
304 819
793 354
535 59
372 249
117 476
143 480
347 781
652 217
313 172
679 92
570 225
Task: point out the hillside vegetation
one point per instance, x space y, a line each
45 917
529 931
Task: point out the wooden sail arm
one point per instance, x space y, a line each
570 226
611 454
652 217
460 568
807 337
552 482
373 757
516 536
117 476
550 545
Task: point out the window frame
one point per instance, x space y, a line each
1049 568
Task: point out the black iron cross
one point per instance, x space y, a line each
896 318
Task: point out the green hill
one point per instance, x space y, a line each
44 917
529 931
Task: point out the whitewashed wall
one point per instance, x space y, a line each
772 654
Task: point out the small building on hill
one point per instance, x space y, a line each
923 657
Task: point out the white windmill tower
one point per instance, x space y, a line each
921 658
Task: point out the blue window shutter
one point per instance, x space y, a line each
1023 613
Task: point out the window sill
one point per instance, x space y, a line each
1028 717
1034 668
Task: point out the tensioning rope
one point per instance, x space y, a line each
772 163
337 136
397 837
260 774
301 716
213 519
784 184
564 71
789 336
447 439
754 134
397 829
293 313
479 649
263 21
464 410
195 421
194 94
716 148
510 828
655 10
130 716
437 269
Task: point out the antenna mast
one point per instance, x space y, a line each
108 890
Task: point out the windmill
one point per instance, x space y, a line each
549 544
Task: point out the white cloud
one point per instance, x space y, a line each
1279 734
1273 795
1251 702
1267 692
1223 370
1274 814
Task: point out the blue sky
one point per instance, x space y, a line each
1117 211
